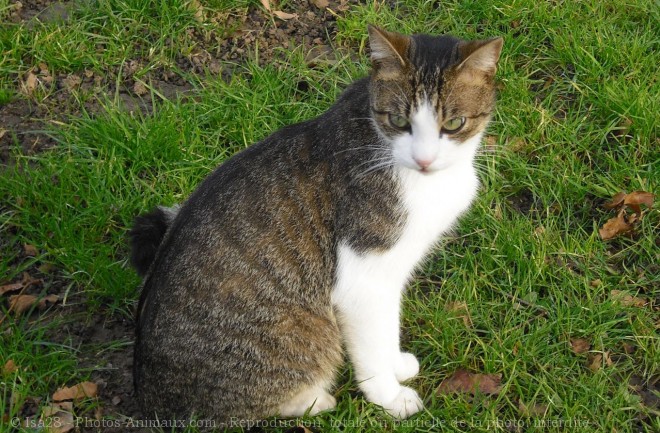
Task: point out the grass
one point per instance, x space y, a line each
576 123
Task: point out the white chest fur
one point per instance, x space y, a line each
432 204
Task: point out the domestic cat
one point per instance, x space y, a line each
301 245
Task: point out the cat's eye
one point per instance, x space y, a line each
453 125
399 121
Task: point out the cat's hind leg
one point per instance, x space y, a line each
314 398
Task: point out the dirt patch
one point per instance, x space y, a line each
523 201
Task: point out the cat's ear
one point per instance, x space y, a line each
481 56
388 50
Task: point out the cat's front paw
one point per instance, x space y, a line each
405 404
406 367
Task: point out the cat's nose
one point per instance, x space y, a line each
424 163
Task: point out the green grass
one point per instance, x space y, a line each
576 123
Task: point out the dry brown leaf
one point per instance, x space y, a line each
321 4
616 201
595 283
58 418
580 345
10 288
462 381
139 88
615 226
637 198
532 409
2 132
626 299
72 82
30 250
9 367
266 4
19 304
595 361
30 84
624 223
460 310
629 348
198 10
76 392
284 15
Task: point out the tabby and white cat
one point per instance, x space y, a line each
302 244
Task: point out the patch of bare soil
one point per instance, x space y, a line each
48 98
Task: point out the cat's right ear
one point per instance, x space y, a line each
389 51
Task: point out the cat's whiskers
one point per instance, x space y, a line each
355 149
378 162
382 165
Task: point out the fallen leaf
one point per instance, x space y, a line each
532 409
30 84
462 381
595 283
72 82
629 348
19 304
623 223
266 4
198 10
2 132
637 198
10 288
580 345
321 4
57 419
626 299
284 15
595 361
9 367
616 201
615 226
139 88
460 310
76 392
30 250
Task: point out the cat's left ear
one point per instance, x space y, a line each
388 50
481 56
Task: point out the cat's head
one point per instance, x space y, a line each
432 96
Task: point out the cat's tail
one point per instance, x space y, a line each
147 234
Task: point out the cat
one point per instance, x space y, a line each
300 246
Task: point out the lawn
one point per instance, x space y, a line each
133 102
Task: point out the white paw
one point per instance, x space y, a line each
405 404
323 402
313 399
406 367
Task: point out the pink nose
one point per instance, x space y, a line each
423 163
